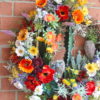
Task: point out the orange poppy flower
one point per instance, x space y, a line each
51 37
78 16
25 65
49 18
54 46
59 37
41 3
22 34
76 97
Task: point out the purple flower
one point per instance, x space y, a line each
37 62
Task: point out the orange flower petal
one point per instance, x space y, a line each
41 3
25 65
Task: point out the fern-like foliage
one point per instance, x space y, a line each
79 61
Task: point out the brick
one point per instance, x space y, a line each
21 96
4 38
10 23
6 85
94 3
94 13
5 8
3 71
7 95
23 7
5 54
26 0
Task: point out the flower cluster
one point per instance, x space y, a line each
41 36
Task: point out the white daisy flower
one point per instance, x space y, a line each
33 97
18 85
18 43
91 74
20 51
98 63
58 1
38 90
96 93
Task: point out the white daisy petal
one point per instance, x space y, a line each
20 51
34 98
38 90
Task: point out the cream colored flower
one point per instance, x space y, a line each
58 1
98 63
38 90
85 11
33 97
20 51
18 85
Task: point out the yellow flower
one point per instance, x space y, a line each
32 13
91 67
49 50
76 72
40 39
72 0
22 34
74 84
33 51
88 22
85 11
72 80
82 2
76 5
66 82
68 68
14 72
55 97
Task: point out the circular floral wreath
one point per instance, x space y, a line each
31 62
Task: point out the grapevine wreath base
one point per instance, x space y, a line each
41 36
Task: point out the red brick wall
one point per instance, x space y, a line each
10 17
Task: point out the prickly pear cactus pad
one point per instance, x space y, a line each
43 33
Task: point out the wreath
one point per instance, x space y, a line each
42 34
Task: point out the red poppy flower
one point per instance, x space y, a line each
46 75
25 65
62 12
90 87
32 82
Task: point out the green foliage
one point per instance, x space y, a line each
70 45
92 34
78 62
49 88
93 98
80 90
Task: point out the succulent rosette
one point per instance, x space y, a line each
34 64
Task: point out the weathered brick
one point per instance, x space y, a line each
10 23
7 95
6 85
3 71
21 96
23 7
5 54
5 8
94 12
94 3
4 38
